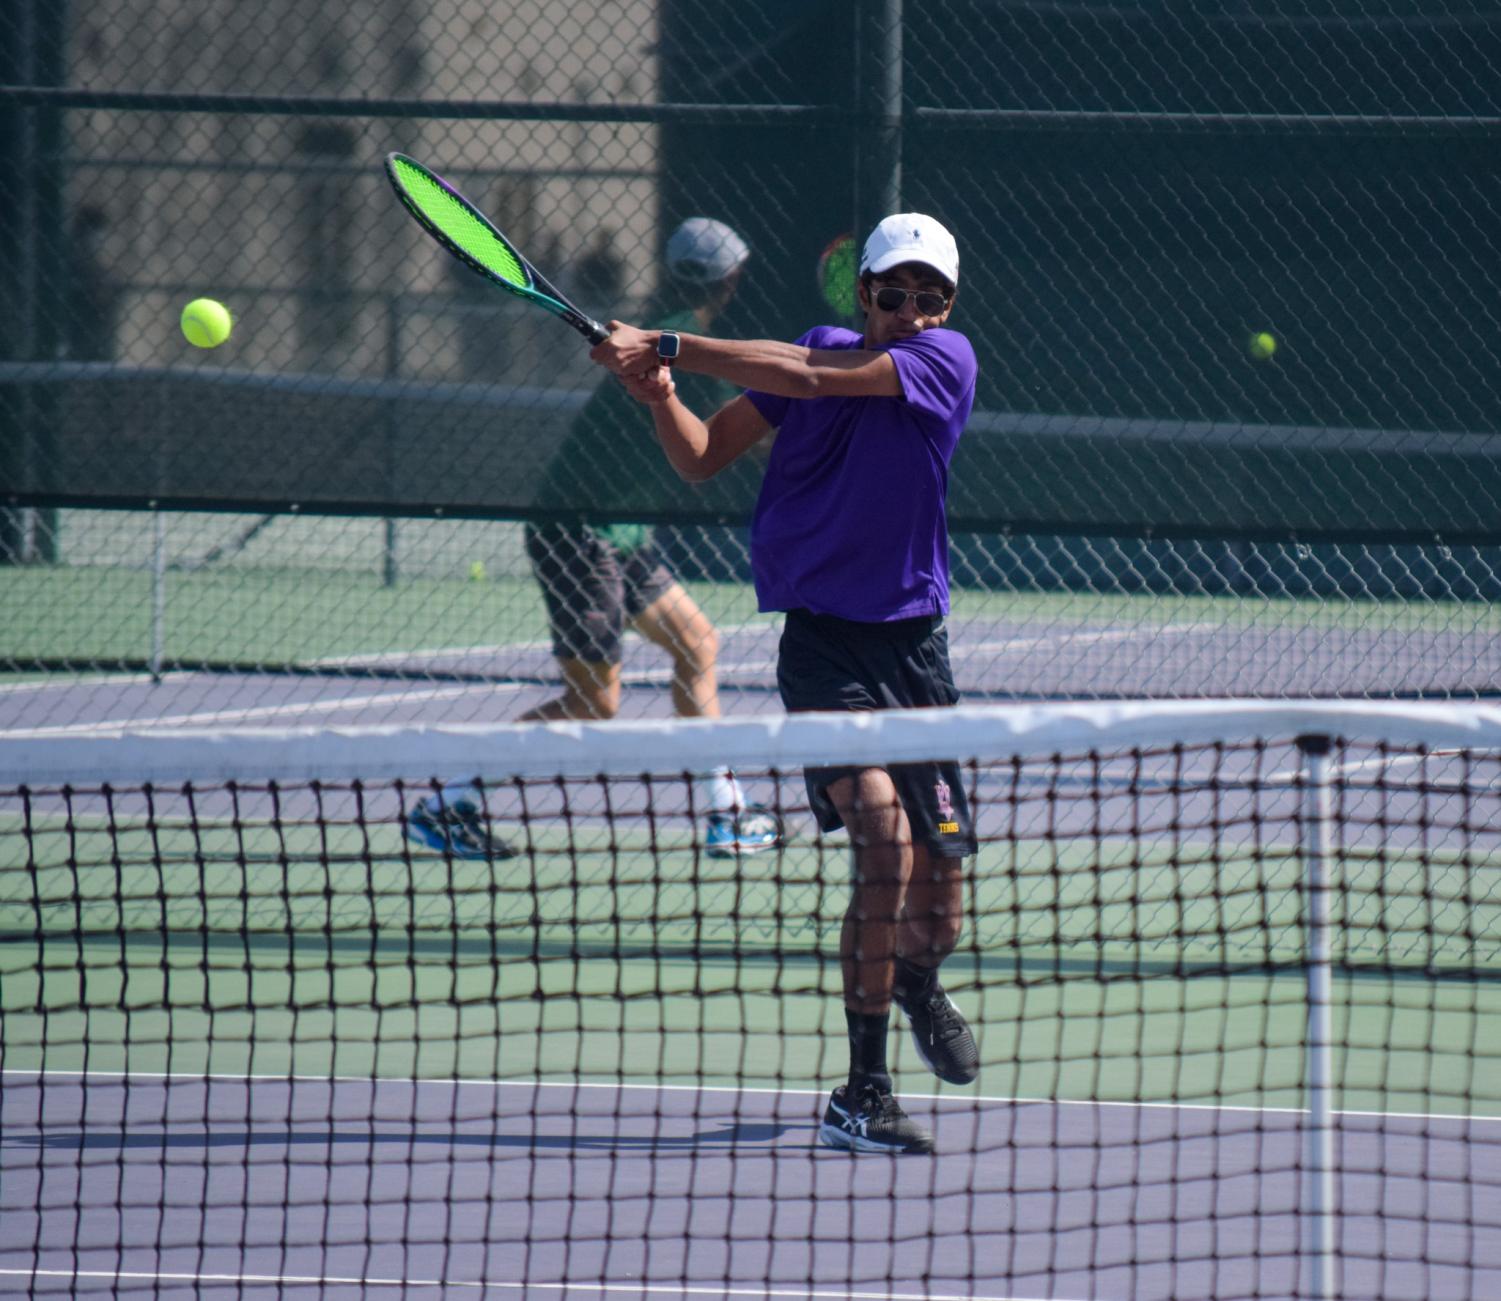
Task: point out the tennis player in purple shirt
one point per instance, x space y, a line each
850 538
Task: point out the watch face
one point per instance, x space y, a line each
667 344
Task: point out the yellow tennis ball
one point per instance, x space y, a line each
206 323
1263 345
477 571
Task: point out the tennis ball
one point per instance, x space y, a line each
1262 345
477 571
206 323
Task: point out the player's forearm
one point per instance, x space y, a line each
684 439
789 369
768 365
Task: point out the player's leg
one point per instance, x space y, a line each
863 1115
829 663
591 690
881 848
933 911
943 833
583 584
931 921
673 621
581 587
661 610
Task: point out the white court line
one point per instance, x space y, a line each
1381 761
270 711
404 697
73 683
771 626
561 1289
424 652
394 657
966 648
963 649
191 1077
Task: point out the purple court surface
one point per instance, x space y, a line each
268 1187
993 660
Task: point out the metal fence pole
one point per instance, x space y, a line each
389 570
158 593
878 96
1319 1181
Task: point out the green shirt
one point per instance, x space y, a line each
611 455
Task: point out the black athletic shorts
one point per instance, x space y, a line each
592 589
831 663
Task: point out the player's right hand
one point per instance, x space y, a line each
628 351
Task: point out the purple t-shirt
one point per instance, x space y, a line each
851 517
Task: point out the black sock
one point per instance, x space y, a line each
868 1050
913 983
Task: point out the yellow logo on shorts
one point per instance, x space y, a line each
947 828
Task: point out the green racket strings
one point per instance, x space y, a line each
460 225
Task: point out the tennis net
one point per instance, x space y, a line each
1231 967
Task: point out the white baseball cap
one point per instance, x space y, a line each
704 251
911 237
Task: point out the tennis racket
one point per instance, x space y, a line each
469 235
837 275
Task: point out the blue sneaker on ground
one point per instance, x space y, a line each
457 829
732 835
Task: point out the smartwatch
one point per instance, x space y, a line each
668 346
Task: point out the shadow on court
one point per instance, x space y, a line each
726 1135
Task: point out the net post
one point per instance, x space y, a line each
1319 1184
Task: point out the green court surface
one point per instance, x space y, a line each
266 950
105 616
102 615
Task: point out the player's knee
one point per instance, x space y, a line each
591 705
941 936
699 650
603 708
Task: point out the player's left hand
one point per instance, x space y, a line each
653 387
627 352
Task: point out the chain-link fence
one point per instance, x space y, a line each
1228 269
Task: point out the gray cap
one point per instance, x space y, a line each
703 251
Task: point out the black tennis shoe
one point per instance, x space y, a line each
871 1121
942 1037
457 829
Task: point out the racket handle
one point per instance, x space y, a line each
581 321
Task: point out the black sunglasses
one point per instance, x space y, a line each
890 299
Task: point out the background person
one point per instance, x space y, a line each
599 579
